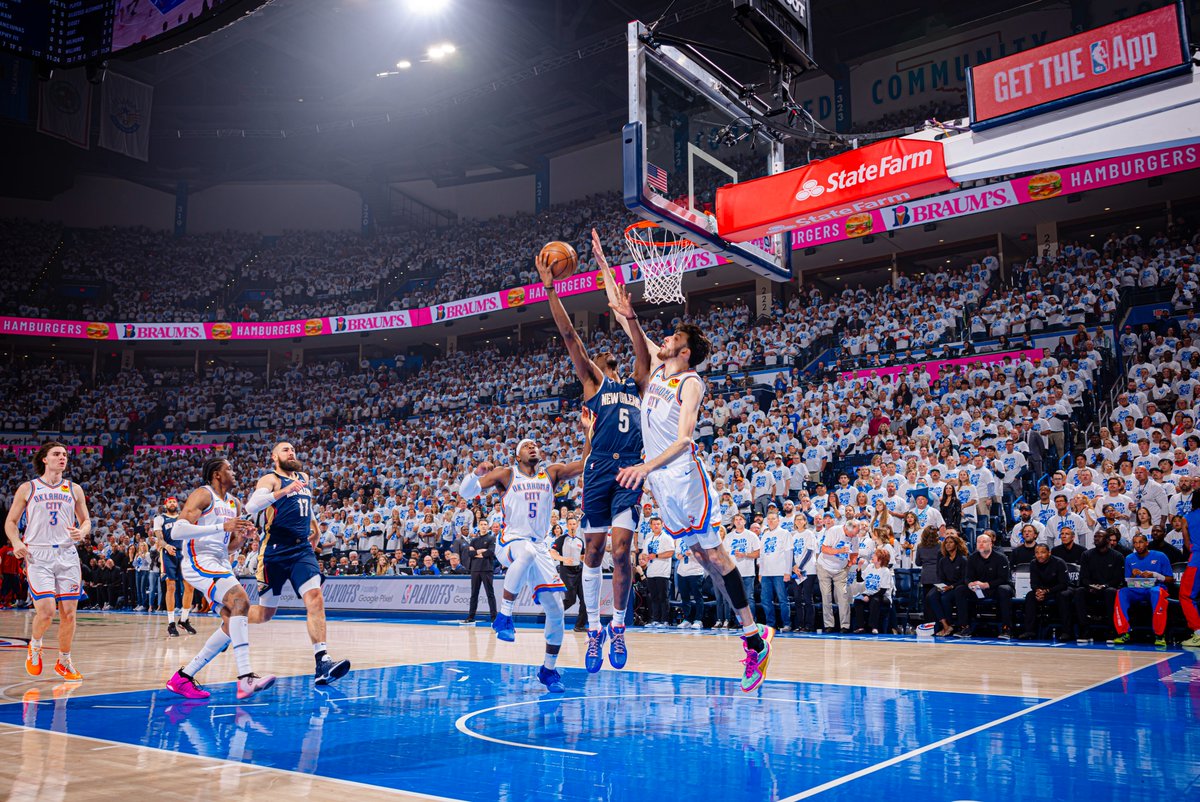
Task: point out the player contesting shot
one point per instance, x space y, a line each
671 393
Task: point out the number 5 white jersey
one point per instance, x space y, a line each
528 503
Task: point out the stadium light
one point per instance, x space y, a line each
440 51
403 64
427 7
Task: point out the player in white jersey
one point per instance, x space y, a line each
55 515
207 527
523 547
672 392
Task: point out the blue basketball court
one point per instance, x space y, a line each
485 731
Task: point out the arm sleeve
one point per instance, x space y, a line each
184 530
469 487
259 501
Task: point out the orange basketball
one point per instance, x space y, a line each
563 261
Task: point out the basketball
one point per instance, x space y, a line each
563 261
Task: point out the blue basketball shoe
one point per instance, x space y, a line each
505 630
551 679
594 658
617 654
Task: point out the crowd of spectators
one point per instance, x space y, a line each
971 451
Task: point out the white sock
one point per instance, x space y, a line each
239 634
618 619
183 616
551 661
752 629
64 658
591 596
506 607
171 616
215 644
36 643
319 648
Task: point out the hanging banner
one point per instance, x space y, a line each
65 107
125 116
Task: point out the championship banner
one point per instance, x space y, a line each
935 367
65 107
1089 65
848 185
125 116
418 594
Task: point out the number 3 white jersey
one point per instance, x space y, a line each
528 503
661 407
48 512
212 551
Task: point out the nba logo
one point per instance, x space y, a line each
900 216
339 324
1099 58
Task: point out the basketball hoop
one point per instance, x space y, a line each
659 254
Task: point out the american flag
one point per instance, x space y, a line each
657 177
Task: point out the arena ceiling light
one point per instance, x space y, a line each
440 51
427 8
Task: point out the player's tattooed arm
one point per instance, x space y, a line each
585 369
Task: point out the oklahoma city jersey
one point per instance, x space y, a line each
661 406
213 550
528 503
48 513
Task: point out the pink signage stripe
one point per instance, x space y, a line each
199 447
936 366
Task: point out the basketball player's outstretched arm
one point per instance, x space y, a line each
589 375
622 306
12 524
186 527
610 282
484 477
562 471
690 396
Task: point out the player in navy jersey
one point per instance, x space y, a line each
286 555
612 406
171 553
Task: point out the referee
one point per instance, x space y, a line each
568 551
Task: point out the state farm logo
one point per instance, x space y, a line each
809 189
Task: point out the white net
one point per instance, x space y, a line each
660 255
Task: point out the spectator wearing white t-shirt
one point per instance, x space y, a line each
744 546
774 565
839 547
660 547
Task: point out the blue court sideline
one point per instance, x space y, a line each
483 731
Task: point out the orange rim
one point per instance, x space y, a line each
632 231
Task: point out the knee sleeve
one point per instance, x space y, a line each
552 604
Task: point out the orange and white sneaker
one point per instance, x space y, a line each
33 662
67 671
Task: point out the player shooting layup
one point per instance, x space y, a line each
616 441
56 518
523 546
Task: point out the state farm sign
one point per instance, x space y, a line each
846 185
1108 59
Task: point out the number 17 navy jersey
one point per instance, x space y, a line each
617 410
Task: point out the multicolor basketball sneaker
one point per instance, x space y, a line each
186 686
756 662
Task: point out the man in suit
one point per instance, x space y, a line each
481 561
1036 456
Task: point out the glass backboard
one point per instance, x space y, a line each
687 135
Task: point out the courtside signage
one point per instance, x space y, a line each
849 185
1137 50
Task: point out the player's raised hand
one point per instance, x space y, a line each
545 270
598 251
622 304
483 469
